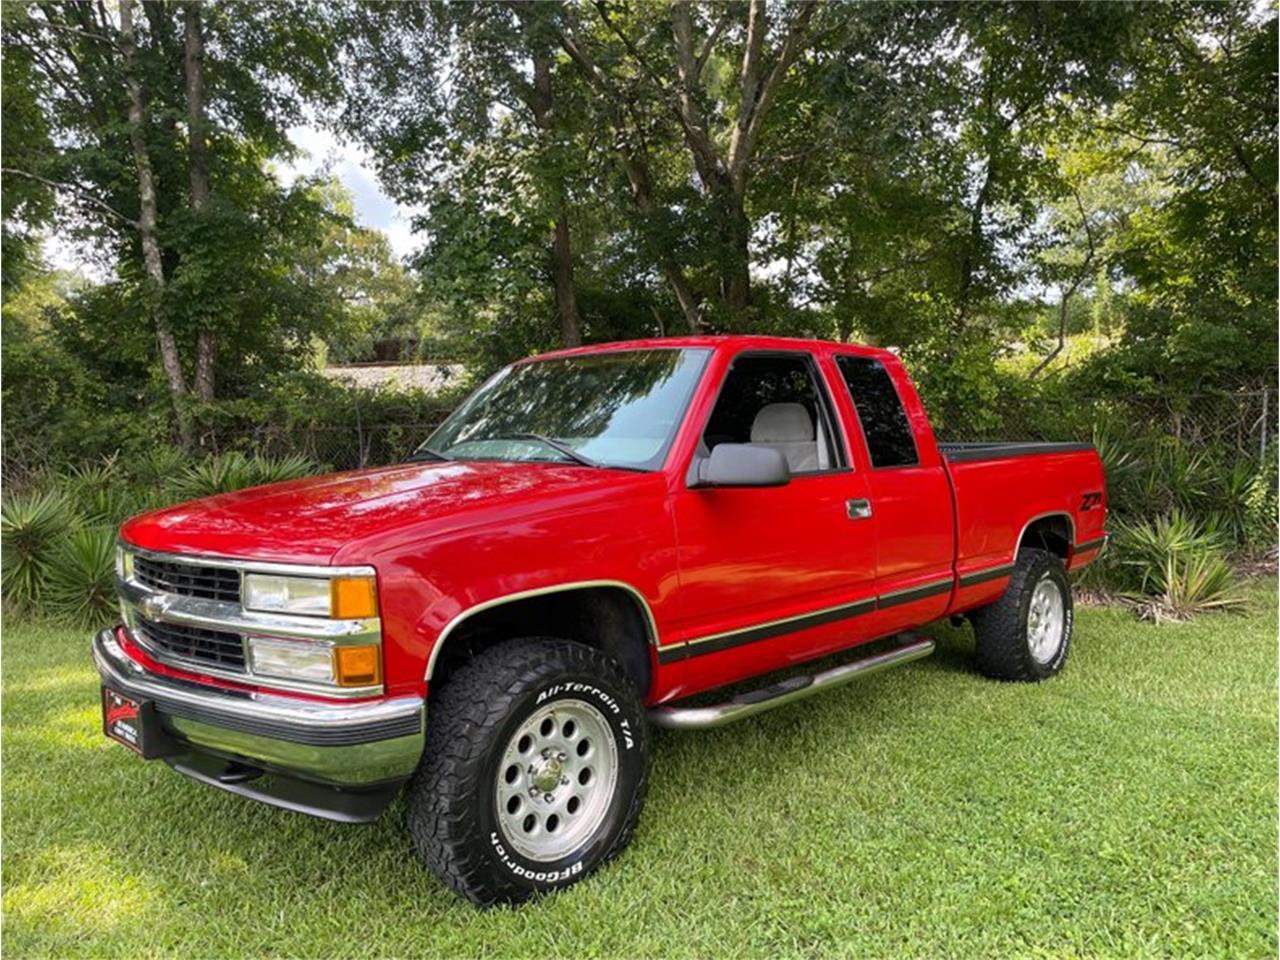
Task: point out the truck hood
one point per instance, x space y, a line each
310 520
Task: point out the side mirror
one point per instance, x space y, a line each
740 465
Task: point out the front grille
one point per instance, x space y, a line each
214 647
188 579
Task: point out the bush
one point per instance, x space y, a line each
59 540
102 492
235 471
1261 508
81 577
31 530
1171 567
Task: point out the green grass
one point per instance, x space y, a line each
1127 807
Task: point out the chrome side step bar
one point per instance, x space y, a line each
789 690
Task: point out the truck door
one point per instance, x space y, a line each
773 574
909 493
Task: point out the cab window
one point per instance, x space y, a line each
775 400
880 412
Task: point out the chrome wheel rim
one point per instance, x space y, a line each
1045 620
556 780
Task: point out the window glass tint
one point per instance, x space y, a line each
774 401
884 421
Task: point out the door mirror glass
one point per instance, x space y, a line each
741 465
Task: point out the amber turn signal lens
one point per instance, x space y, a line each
357 666
352 598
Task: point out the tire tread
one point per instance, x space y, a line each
463 714
999 628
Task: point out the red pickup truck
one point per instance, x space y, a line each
587 547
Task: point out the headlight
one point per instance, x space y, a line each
292 659
343 666
343 598
124 563
273 594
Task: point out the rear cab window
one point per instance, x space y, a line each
885 427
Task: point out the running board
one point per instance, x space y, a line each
789 690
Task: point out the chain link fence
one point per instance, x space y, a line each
346 447
1239 423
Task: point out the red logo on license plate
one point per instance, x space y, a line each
120 710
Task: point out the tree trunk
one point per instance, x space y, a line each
542 103
736 272
169 359
642 194
635 163
566 295
198 163
685 296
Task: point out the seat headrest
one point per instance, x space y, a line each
782 423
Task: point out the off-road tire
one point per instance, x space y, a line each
1001 628
452 809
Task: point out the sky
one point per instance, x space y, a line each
319 150
354 168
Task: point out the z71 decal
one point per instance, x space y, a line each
1091 500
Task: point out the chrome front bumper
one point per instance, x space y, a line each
339 745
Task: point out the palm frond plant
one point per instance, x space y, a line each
32 528
1228 500
81 577
217 474
278 469
158 466
235 471
1173 567
1122 463
99 492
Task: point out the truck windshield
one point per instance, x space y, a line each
613 409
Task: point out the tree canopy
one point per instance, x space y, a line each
1065 187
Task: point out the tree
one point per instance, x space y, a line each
720 124
143 172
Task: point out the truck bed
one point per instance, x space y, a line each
1004 449
1001 488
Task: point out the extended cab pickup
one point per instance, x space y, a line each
591 544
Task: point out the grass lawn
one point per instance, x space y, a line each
1127 807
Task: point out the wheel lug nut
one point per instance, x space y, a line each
547 798
564 781
562 757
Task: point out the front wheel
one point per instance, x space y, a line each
1025 635
534 771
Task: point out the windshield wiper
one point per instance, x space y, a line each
554 444
426 453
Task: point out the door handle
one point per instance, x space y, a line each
857 509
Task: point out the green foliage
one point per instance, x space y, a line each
223 473
32 529
80 579
1172 567
960 181
100 493
26 205
1262 508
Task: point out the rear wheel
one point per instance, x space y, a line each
1025 635
534 772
